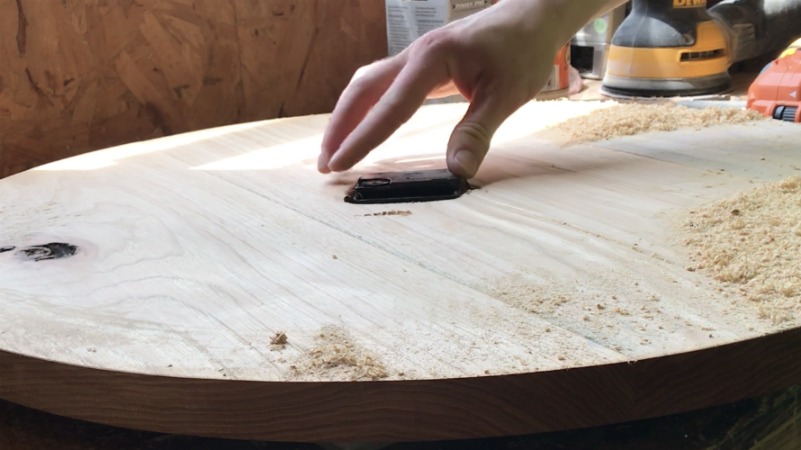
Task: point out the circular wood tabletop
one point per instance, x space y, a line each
214 283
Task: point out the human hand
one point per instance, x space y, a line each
498 59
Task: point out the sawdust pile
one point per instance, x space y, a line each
752 243
336 357
627 119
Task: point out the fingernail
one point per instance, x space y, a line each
322 164
337 163
332 164
466 163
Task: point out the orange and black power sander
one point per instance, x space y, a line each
776 92
668 48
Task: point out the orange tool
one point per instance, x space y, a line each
776 92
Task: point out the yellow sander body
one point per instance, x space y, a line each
668 48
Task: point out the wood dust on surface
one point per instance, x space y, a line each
609 312
393 212
543 301
335 356
516 291
751 243
628 119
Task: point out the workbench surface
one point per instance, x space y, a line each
561 281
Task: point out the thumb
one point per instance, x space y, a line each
471 138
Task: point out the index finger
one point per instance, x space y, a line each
410 88
356 100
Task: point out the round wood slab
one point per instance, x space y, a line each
214 283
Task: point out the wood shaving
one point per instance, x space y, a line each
752 243
627 119
336 357
279 341
390 213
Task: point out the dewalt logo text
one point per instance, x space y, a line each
689 3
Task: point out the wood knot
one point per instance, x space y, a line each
53 250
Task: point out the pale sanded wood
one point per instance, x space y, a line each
195 250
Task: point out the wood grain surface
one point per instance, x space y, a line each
80 75
769 422
556 296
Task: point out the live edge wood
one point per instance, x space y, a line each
408 410
78 75
554 297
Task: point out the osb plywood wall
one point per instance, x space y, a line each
78 75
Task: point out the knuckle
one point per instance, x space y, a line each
435 42
476 131
359 84
364 75
361 72
363 83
